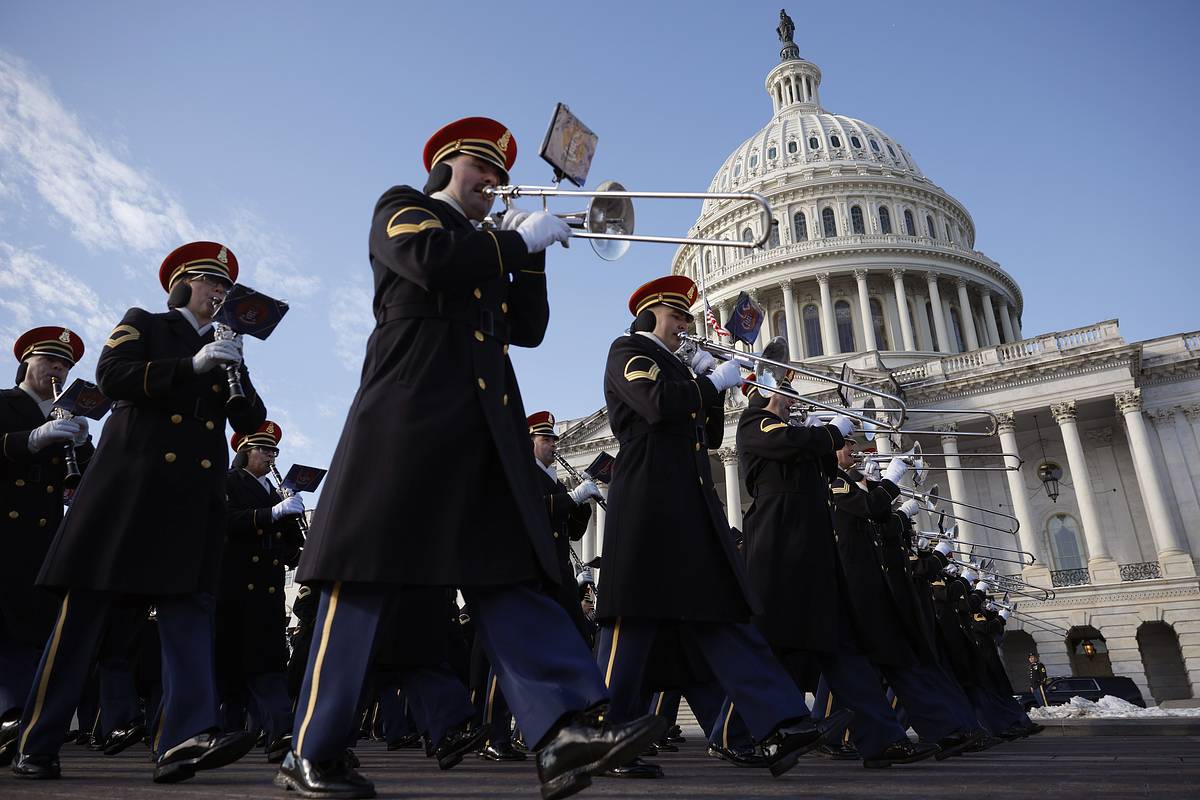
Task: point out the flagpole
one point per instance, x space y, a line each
703 295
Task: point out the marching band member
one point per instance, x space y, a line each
148 520
666 532
457 504
262 541
32 469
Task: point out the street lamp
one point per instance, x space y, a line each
1050 474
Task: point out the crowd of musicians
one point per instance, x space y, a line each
153 612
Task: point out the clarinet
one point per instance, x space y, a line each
233 372
579 478
71 480
285 493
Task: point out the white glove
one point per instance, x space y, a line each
55 430
214 353
703 362
588 490
81 437
910 508
512 219
811 420
726 376
896 471
542 229
290 507
843 423
870 470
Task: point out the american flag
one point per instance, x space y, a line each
713 322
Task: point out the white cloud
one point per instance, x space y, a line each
268 260
351 320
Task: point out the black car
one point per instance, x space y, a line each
1061 690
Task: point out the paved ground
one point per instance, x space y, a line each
1051 765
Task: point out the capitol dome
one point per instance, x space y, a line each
866 253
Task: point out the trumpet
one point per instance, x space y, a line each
608 219
579 477
285 493
73 476
233 372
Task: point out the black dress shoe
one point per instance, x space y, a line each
739 756
789 741
1011 733
984 743
901 752
456 744
635 769
279 748
665 746
350 759
838 751
518 742
503 751
588 745
206 751
324 779
675 735
37 767
9 730
1033 729
410 742
956 743
124 736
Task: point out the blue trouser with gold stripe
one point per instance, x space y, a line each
737 654
542 665
850 680
493 710
18 665
189 704
393 713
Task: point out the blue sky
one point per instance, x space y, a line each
127 128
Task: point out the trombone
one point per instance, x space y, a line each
930 499
952 538
609 215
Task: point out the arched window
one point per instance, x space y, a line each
793 147
910 226
929 225
812 331
828 223
891 151
881 339
856 220
1063 533
834 141
754 161
874 145
747 235
737 169
814 143
779 324
845 326
956 323
800 226
773 240
855 141
932 325
708 261
885 220
949 235
772 152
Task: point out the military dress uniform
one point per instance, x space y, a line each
251 646
668 553
459 504
148 520
31 508
1037 683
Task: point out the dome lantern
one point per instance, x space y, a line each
794 81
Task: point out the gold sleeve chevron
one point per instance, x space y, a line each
641 368
766 426
411 219
122 334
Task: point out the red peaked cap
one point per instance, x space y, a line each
482 137
50 340
676 291
198 258
267 435
541 424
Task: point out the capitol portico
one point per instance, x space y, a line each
871 264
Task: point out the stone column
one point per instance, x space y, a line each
864 309
1171 428
589 538
924 334
1028 535
989 317
906 328
966 316
828 326
599 514
1101 565
1172 554
733 488
958 483
1016 325
1006 322
945 345
793 321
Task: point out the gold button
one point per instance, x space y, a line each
177 418
254 559
250 587
556 534
504 400
216 387
697 445
478 294
20 481
258 531
275 562
702 481
270 590
49 490
482 383
209 425
278 535
205 463
505 349
479 336
14 514
169 458
504 307
693 415
56 460
42 522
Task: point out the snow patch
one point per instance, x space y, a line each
1107 707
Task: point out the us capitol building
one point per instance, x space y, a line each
872 264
